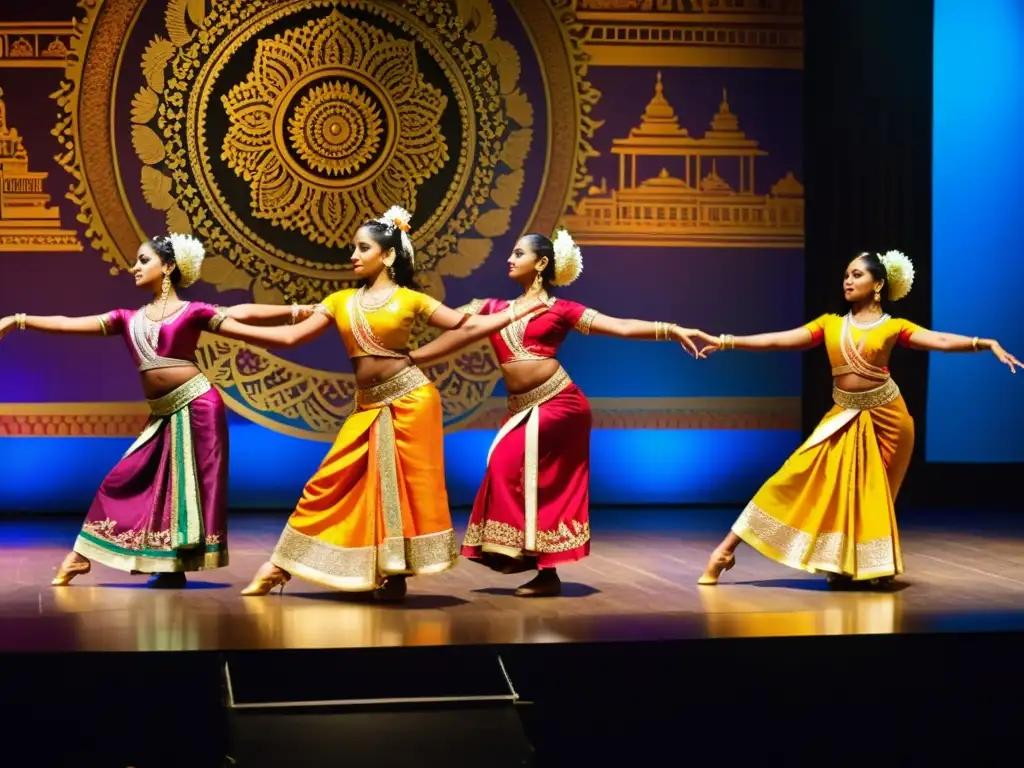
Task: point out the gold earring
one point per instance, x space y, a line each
538 280
165 287
878 296
391 271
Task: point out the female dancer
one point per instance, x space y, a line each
163 508
532 510
830 507
376 510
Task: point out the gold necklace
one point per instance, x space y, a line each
542 297
153 329
371 306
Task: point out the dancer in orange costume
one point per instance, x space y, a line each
830 507
376 511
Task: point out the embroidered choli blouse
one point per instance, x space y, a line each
537 336
383 330
860 350
176 337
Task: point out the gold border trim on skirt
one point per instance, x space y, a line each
186 560
867 399
179 398
401 384
816 553
358 569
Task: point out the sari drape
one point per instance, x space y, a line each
377 506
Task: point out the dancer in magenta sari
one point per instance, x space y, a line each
532 511
163 508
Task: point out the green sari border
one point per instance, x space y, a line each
208 557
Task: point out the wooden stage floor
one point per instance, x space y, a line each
965 573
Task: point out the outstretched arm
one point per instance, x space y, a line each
281 336
625 328
938 341
267 314
795 339
82 326
464 329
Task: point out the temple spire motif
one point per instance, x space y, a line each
681 190
27 221
659 118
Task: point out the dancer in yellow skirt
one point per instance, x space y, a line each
376 510
830 507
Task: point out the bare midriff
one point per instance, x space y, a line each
851 382
162 381
523 375
371 370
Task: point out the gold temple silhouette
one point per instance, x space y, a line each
27 221
698 207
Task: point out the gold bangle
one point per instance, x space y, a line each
19 320
974 343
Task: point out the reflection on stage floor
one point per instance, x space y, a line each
965 572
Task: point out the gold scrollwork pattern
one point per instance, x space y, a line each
312 404
269 129
368 135
333 120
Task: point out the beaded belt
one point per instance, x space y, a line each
868 399
179 398
538 395
401 384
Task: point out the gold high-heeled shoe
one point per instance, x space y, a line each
717 565
68 571
263 583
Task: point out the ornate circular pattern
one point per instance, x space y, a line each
317 44
294 195
336 129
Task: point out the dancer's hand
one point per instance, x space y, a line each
711 344
6 325
686 336
1001 354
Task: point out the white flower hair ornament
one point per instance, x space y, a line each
899 273
188 255
397 217
568 259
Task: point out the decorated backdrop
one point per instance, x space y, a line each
664 134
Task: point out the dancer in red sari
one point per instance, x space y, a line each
532 511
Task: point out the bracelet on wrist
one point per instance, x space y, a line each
663 331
